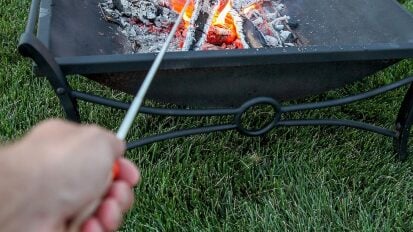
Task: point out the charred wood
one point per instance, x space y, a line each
253 36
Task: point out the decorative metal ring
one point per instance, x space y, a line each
255 102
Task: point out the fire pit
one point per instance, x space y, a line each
208 24
224 65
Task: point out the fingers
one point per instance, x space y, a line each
109 214
128 172
122 193
77 160
92 225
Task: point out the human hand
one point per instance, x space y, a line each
53 173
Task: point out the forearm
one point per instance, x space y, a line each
55 171
17 177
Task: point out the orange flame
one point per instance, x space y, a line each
178 5
223 30
221 19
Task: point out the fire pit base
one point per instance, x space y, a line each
32 47
55 69
400 135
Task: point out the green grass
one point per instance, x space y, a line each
312 178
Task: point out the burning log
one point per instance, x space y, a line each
202 19
212 9
223 28
238 23
189 40
218 35
208 24
253 37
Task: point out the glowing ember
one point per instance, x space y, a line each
222 30
207 24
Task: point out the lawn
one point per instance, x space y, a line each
309 178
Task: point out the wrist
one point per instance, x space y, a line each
18 176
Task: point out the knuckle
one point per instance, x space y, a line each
94 130
102 136
51 123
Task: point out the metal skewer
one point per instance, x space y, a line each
137 101
130 116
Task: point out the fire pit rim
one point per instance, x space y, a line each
104 63
233 58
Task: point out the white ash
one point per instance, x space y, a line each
146 23
208 5
238 26
272 23
272 41
239 5
145 11
189 39
278 27
280 7
285 35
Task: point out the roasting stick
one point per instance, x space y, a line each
137 102
133 110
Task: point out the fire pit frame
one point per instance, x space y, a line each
31 46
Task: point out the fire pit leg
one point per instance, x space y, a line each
403 125
30 46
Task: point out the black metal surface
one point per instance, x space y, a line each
231 86
31 46
400 135
350 39
78 29
351 22
404 123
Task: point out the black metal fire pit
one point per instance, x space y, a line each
345 41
